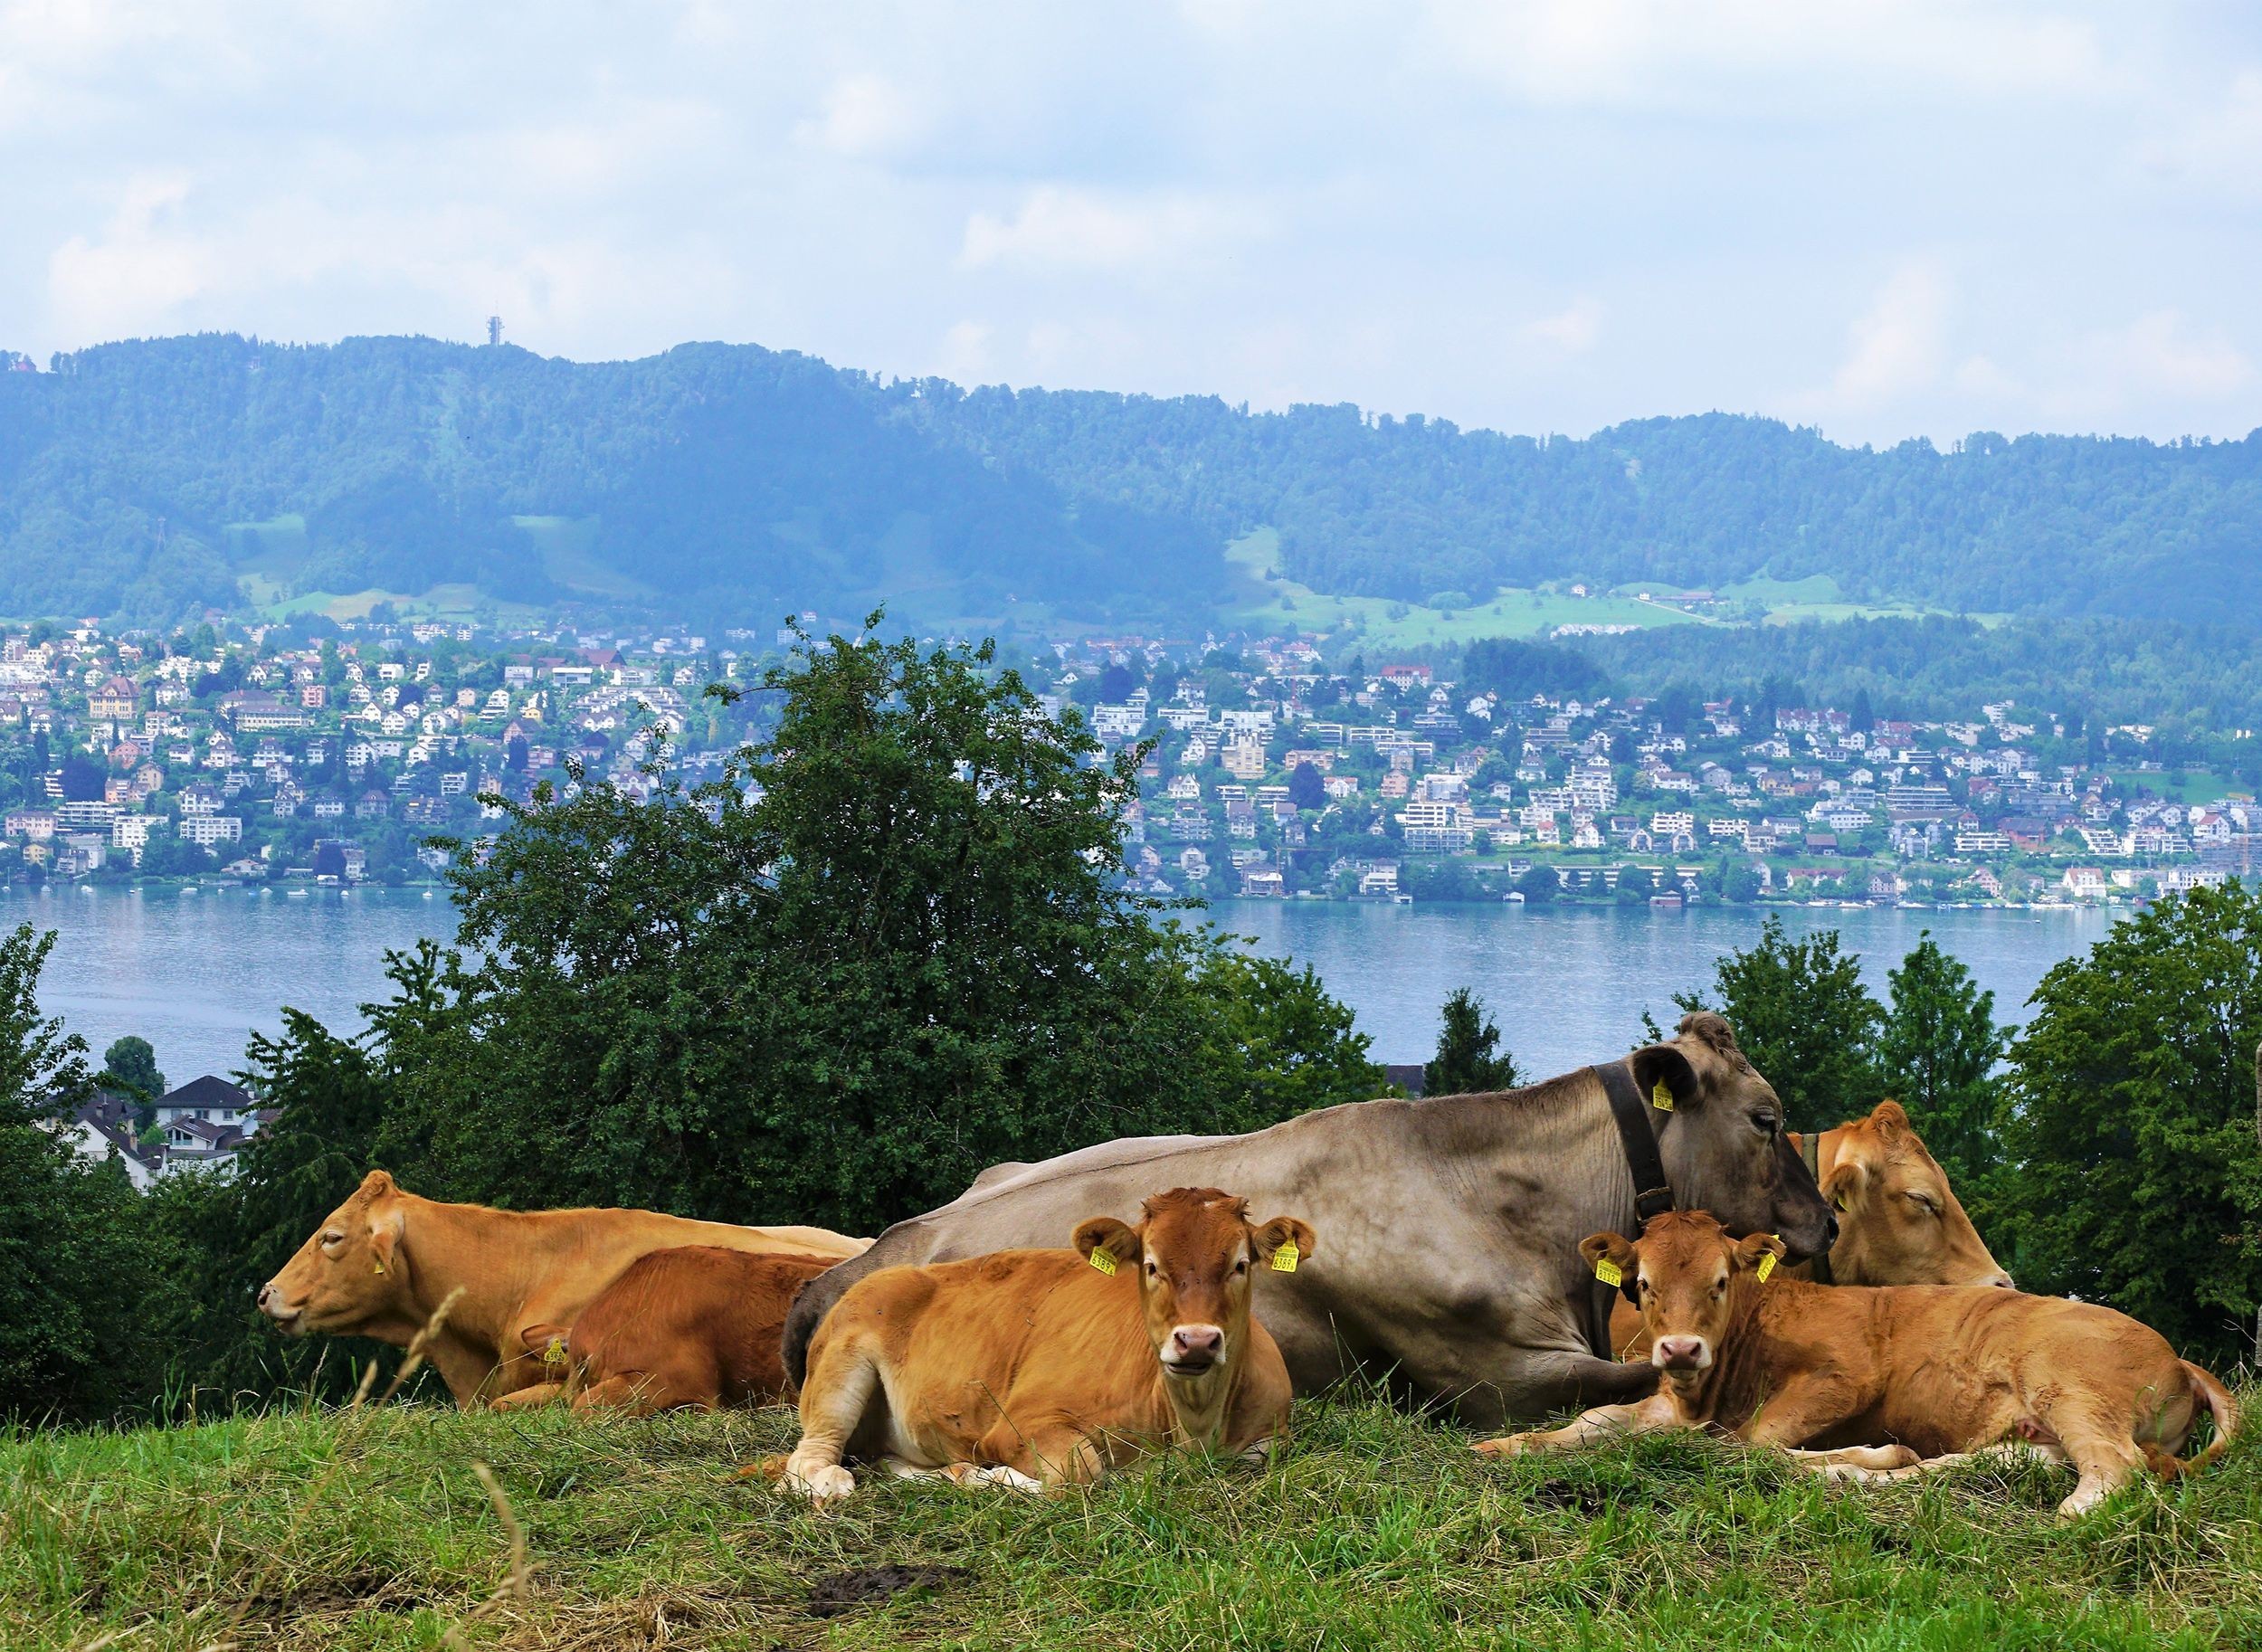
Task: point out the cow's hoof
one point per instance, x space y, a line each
829 1483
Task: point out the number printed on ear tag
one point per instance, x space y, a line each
1661 1096
553 1352
1766 1267
1102 1261
1607 1272
1284 1259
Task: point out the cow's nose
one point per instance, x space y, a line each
1680 1352
1196 1341
265 1291
2004 1281
1829 1232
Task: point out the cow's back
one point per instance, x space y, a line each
697 1306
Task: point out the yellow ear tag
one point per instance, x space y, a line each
1766 1267
1607 1272
554 1353
1661 1096
1284 1259
1102 1261
380 1267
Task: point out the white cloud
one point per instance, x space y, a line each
866 117
1753 56
2158 353
1571 331
138 274
1058 228
1898 344
2221 146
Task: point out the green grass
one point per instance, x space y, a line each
2199 785
1370 1529
1283 604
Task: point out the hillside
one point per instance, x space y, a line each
319 1529
730 481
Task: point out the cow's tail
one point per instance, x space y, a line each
2223 1405
814 1300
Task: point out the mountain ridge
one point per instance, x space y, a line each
140 477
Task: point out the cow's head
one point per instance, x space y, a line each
351 1273
1678 1274
1726 1150
1899 1221
1196 1254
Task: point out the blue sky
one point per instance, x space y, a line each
1885 219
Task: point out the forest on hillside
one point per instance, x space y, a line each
734 481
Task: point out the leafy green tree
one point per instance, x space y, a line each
76 1274
1540 885
1937 1051
1467 1062
131 1064
1307 789
1803 1018
2130 1129
891 947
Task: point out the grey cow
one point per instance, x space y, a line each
1448 1268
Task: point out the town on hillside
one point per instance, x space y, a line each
266 754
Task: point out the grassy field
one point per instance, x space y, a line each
373 1530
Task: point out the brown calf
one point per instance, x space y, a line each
697 1326
1898 1220
1033 1368
1893 1379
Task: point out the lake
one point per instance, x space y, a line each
195 974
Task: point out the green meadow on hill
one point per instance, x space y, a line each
320 1529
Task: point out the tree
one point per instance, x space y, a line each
1307 789
1805 1021
1465 1063
890 947
1540 885
2129 1128
131 1064
1936 1054
76 1276
83 779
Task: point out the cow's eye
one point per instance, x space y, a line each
1242 1266
1923 1202
1765 1122
332 1239
1152 1270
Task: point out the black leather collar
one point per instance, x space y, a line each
1653 1195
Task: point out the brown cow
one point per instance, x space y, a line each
1035 1368
1893 1379
1898 1220
383 1261
694 1327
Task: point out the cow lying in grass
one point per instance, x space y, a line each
695 1326
1887 1382
386 1261
1035 1368
1898 1220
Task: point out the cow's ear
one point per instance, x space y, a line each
1119 1240
1285 1230
1751 1248
378 1181
538 1337
1891 1119
1843 1184
1663 1073
1621 1253
385 1240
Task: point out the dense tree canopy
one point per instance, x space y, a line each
2131 1128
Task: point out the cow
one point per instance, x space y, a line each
1492 1313
382 1263
1898 1220
1034 1368
1883 1382
694 1327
